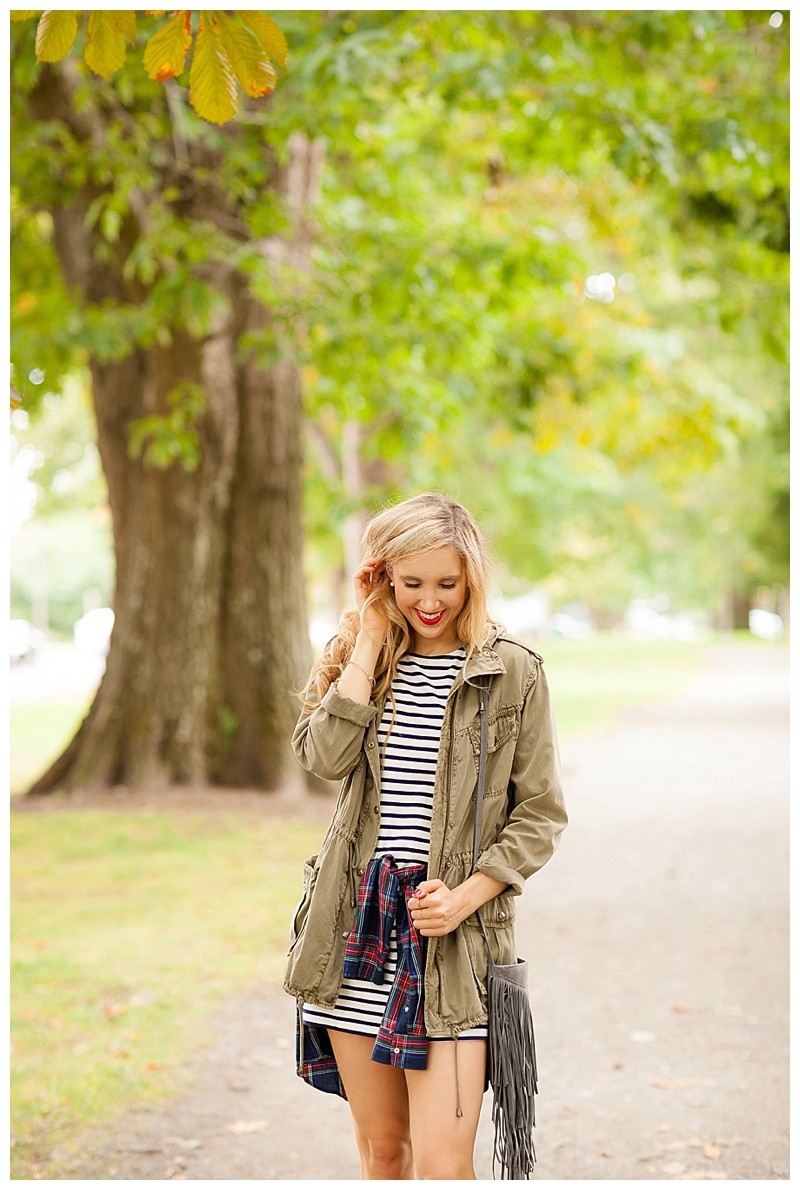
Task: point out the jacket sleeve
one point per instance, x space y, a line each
538 814
328 740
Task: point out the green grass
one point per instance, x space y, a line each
128 928
591 680
39 733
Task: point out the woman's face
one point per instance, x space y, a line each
430 590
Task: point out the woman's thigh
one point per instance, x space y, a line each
443 1143
377 1093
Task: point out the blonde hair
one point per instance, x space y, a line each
398 532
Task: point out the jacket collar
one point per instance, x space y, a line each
486 660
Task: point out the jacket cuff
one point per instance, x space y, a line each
502 872
338 704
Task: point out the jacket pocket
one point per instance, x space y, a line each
461 994
500 912
310 872
503 726
499 916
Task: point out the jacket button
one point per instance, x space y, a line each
502 915
344 933
360 871
376 809
371 744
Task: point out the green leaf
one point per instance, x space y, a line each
55 34
105 43
268 33
17 14
165 52
252 66
212 83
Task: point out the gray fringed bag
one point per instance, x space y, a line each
511 1045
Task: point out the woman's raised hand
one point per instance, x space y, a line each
372 576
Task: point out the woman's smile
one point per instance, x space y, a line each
430 620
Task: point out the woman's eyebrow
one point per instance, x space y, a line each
448 578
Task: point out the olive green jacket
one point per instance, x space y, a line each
523 816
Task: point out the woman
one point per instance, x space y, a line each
387 960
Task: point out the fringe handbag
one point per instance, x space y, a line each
511 1045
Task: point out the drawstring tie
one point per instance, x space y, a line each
459 1112
302 1032
352 873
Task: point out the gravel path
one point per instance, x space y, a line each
658 937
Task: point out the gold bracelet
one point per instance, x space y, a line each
369 677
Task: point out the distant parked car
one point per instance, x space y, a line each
764 624
93 631
23 639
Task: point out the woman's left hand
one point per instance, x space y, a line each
436 909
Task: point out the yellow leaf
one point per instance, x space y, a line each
253 69
105 44
546 442
268 33
165 52
17 14
126 23
26 302
212 83
55 34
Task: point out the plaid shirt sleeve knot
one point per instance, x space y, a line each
383 895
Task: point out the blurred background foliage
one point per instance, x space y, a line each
550 275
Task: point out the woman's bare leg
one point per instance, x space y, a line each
444 1143
378 1099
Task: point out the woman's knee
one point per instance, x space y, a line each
444 1167
385 1151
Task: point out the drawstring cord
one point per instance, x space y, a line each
353 888
459 1112
301 1055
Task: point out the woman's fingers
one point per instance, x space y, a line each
366 577
374 567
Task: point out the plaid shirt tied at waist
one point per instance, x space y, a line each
401 1041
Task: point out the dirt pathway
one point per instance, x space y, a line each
658 938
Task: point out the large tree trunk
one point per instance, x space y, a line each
210 633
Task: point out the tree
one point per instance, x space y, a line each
210 630
442 295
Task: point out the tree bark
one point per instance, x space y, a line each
210 634
740 603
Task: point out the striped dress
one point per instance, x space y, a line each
408 772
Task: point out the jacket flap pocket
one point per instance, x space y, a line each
500 911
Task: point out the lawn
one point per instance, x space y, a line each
591 680
39 732
128 928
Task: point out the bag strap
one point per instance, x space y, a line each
484 713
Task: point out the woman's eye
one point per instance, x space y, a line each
444 586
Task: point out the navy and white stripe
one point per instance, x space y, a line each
409 759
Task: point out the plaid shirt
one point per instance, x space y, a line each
382 903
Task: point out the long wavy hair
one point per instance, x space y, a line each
398 532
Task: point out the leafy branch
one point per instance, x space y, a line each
228 50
